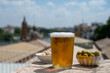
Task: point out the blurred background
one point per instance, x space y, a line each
86 18
24 22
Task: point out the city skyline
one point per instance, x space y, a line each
52 13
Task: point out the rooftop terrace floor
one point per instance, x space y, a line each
39 67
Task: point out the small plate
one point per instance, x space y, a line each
44 58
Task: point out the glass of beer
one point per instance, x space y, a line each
62 47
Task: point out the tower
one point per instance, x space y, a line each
24 30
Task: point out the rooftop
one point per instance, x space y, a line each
104 46
40 43
103 42
12 52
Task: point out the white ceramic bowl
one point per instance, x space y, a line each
44 58
88 61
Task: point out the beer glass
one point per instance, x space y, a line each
62 49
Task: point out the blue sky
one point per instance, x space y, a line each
53 13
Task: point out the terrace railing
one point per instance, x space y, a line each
10 60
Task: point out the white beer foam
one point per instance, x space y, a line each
62 34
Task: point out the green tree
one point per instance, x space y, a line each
17 31
44 31
103 31
1 31
34 28
7 37
108 21
53 30
108 30
28 28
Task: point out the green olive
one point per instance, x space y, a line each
78 53
96 53
83 52
88 53
85 55
92 55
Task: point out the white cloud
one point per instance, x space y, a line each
83 6
43 16
17 2
72 3
4 2
51 4
97 3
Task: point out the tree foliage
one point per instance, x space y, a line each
7 37
1 31
103 31
17 31
44 31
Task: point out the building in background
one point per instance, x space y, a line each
33 34
9 29
24 30
65 29
83 30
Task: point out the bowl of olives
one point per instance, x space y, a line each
88 58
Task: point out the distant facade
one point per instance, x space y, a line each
33 34
24 30
82 30
9 29
85 31
69 29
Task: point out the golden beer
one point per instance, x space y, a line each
62 49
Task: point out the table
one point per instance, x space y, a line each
39 67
